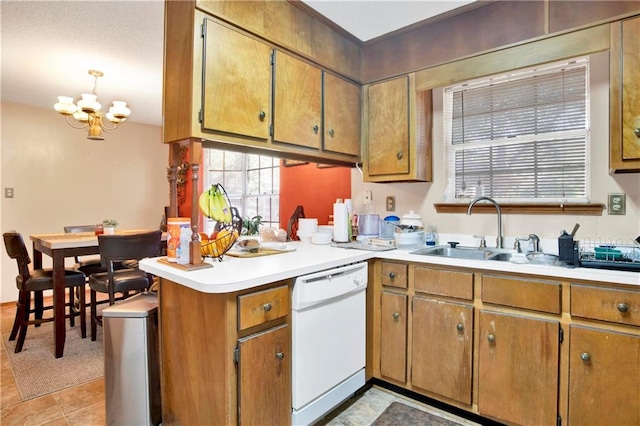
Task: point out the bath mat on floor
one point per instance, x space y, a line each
37 372
401 414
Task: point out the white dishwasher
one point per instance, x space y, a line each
329 342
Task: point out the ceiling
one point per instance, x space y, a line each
47 47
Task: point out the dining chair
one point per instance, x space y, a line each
36 281
119 248
87 264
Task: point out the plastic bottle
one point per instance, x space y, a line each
185 240
431 237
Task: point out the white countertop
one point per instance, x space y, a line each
234 274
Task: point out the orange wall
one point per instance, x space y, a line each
316 189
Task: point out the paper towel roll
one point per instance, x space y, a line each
340 223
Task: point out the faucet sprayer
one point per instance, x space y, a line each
497 206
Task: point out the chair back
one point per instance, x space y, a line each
16 249
121 247
79 228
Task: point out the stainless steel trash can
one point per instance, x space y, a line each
131 361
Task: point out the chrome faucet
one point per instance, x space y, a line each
497 206
534 240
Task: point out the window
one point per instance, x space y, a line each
520 137
252 183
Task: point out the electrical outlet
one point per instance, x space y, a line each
368 196
8 192
391 203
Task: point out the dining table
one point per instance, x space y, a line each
60 246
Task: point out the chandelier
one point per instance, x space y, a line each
87 111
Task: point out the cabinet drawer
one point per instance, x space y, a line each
394 274
262 306
444 283
605 304
537 295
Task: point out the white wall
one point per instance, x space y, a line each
421 196
61 178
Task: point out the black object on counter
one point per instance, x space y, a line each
568 249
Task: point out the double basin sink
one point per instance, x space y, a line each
502 255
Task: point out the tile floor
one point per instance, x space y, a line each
85 405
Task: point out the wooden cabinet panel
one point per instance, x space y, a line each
444 283
297 102
388 133
263 306
341 115
625 96
518 369
393 336
604 377
606 304
442 342
394 274
236 83
537 295
264 379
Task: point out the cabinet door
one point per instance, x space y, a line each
604 377
297 102
264 378
341 115
393 336
518 369
236 84
442 343
388 133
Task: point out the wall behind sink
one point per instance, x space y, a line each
421 196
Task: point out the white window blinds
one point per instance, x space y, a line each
520 137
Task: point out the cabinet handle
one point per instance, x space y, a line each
396 315
460 327
315 129
399 155
331 132
280 355
392 275
623 307
585 356
262 115
491 338
266 307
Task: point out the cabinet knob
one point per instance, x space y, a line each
266 307
396 315
315 129
585 356
623 307
280 355
331 132
399 155
392 275
460 327
491 338
262 115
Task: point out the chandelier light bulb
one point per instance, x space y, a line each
89 103
65 105
119 110
81 116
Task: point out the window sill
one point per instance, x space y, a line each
559 209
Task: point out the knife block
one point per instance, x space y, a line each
568 249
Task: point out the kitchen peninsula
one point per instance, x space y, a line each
220 344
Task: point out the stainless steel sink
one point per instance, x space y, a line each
472 253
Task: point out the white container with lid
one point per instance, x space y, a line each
412 219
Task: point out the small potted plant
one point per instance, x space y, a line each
109 226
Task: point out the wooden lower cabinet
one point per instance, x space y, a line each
442 348
264 382
393 336
518 368
604 377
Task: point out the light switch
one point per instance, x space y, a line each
391 203
8 192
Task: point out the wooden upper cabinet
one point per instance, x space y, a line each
341 115
398 138
297 115
236 83
625 96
